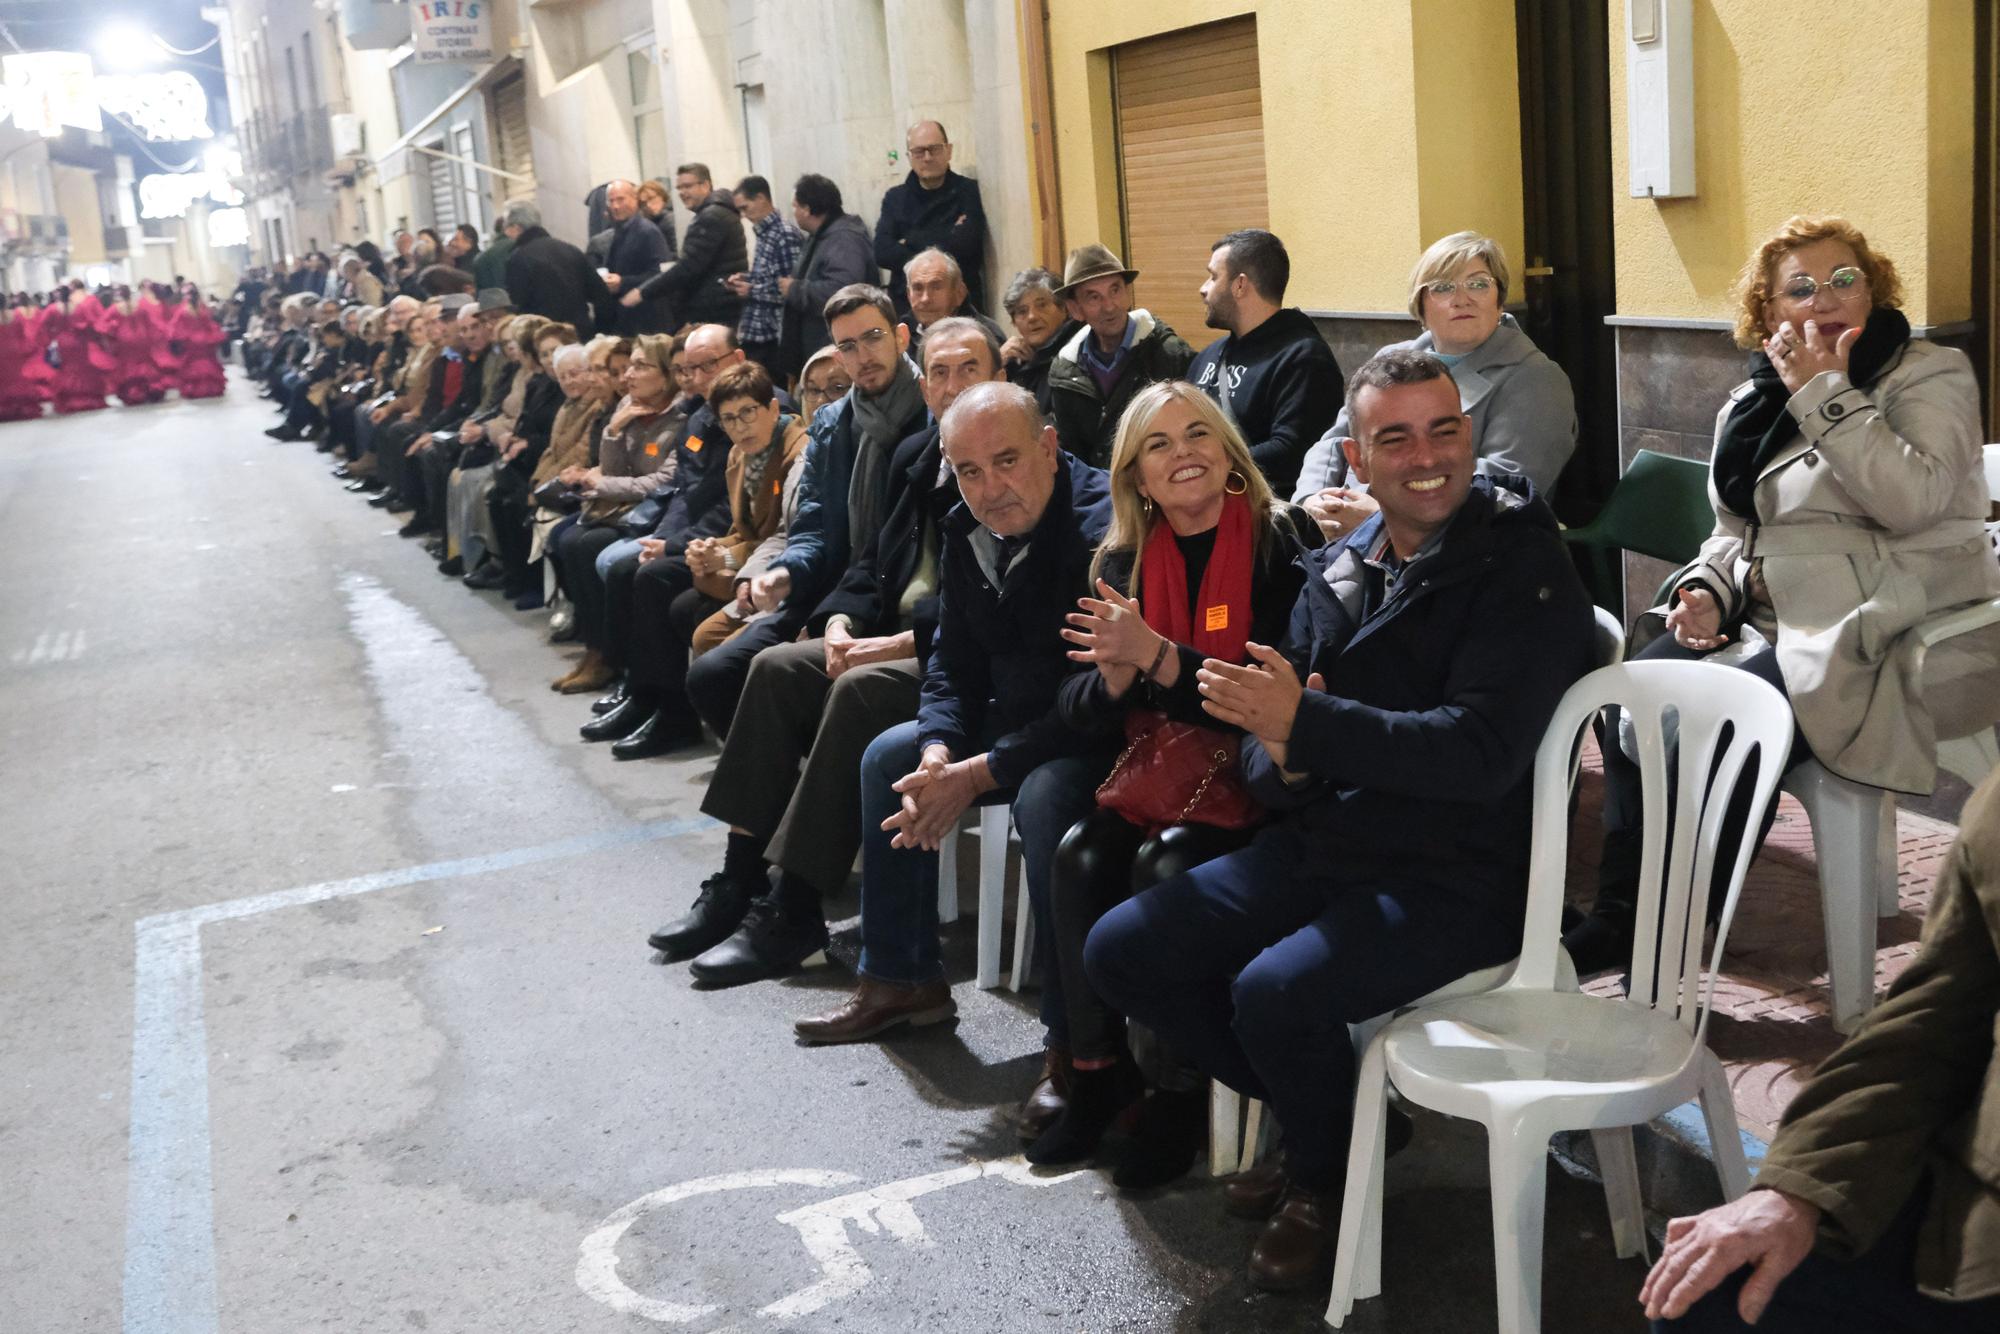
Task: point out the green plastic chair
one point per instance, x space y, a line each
1659 508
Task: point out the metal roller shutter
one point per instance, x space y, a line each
444 189
1190 118
510 116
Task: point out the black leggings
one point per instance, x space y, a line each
1102 861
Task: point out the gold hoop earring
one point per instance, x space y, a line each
1146 506
1242 483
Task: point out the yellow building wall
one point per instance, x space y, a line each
1862 108
77 202
1387 123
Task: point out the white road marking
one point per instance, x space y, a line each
822 1228
40 650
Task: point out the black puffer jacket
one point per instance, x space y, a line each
1086 418
714 249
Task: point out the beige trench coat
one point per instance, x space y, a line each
1873 521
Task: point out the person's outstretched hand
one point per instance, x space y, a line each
1768 1229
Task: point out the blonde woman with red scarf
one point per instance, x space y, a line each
1200 560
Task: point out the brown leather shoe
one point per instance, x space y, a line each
1045 1102
1295 1249
875 1007
592 674
1255 1193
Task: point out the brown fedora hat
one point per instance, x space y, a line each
1088 262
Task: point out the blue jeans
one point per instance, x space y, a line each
1253 965
611 555
899 887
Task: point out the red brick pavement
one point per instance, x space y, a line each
1770 1023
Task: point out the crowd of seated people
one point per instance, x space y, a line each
1259 653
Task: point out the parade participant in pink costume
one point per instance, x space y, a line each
200 339
71 324
130 333
24 374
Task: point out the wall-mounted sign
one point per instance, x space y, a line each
442 30
48 90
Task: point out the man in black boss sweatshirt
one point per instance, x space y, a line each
1272 372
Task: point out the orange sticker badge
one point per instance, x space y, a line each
1218 617
652 449
694 444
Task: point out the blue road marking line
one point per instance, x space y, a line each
170 1196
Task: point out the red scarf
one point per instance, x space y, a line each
1221 624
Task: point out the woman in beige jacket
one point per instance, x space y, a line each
1849 499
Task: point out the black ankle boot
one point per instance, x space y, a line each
1167 1136
1096 1099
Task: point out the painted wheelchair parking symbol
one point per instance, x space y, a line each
822 1228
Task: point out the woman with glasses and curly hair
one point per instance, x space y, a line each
1849 503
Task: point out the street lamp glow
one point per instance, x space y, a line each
126 45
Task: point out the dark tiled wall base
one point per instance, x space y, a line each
1355 340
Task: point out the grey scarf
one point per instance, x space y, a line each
877 421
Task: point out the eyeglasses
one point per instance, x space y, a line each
1844 283
847 347
700 367
743 418
1444 291
929 150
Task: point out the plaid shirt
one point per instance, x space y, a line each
778 246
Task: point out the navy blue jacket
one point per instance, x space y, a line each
1420 753
873 586
817 546
999 657
951 218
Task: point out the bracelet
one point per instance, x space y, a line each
1158 658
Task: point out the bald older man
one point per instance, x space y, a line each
934 206
638 252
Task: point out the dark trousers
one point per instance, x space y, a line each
787 773
1253 965
715 679
1624 833
1102 861
392 457
765 355
436 464
1875 1292
576 549
656 658
512 507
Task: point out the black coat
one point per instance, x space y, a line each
950 218
1033 374
999 658
696 503
552 278
872 588
638 249
1086 418
1281 385
714 249
833 257
1421 751
536 422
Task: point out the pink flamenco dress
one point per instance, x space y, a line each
24 372
200 338
80 378
129 335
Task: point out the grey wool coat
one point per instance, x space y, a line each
1872 520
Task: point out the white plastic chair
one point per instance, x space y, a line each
995 824
1237 1130
1529 1059
1854 825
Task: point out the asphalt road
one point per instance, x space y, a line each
325 1002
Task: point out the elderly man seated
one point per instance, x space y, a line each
1393 735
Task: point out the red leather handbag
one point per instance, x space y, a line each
1178 773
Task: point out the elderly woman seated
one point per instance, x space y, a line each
1040 329
1523 411
1849 499
527 501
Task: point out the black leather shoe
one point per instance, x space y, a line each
621 722
617 695
1096 1099
283 432
658 735
343 472
717 911
455 566
388 500
768 944
417 527
370 484
488 575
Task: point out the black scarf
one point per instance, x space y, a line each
1759 426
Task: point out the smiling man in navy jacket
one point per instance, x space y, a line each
1273 373
1433 645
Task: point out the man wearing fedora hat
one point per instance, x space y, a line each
1118 352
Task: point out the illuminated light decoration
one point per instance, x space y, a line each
168 194
49 90
229 227
165 108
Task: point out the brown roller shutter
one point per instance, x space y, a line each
510 114
1190 117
